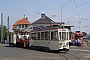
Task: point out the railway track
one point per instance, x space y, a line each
68 56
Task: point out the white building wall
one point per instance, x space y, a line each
17 27
29 28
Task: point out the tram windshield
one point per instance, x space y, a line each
79 36
63 35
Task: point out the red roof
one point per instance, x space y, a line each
20 22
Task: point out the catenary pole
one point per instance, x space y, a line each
1 27
8 24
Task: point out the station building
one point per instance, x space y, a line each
25 25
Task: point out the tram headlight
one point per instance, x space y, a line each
60 44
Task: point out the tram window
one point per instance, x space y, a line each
67 36
63 35
33 36
56 35
60 35
46 35
38 34
42 35
52 36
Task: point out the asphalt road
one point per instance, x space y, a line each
84 52
14 53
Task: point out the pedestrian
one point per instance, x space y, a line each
73 42
76 42
79 42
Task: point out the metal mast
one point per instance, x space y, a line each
1 27
61 10
8 24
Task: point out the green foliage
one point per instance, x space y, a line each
4 33
84 33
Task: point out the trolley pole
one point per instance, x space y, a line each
1 27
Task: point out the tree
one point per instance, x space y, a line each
84 33
4 33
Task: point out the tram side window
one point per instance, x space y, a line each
52 36
56 35
42 35
67 36
63 35
60 35
33 36
38 34
47 35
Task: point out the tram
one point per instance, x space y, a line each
22 39
19 39
49 39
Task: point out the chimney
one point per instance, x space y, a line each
26 18
43 15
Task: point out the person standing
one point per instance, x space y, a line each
79 42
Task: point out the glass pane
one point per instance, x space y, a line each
52 35
63 35
56 35
60 35
46 35
67 36
38 34
42 35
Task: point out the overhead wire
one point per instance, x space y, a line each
62 7
75 7
79 13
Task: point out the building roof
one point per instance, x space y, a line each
45 20
20 22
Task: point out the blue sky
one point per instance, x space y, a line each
72 13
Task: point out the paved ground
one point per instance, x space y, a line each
14 53
81 51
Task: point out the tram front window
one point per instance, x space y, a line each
79 37
62 35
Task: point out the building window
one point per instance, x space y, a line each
19 26
22 26
26 25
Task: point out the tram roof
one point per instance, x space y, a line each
48 28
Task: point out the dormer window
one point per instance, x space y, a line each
19 26
22 26
26 25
